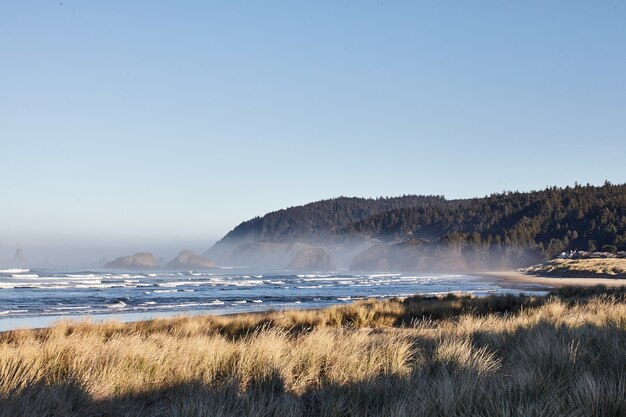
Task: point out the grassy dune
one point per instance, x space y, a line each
583 268
564 355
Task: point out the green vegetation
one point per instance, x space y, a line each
512 225
450 356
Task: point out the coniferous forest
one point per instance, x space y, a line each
546 222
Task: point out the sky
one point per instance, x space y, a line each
151 124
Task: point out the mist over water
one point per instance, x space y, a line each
93 254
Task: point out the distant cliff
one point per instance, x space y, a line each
141 260
188 260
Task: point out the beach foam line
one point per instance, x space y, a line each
12 312
14 271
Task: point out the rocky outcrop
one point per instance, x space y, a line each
374 258
410 256
141 260
273 256
260 255
188 260
311 259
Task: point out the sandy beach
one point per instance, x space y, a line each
512 276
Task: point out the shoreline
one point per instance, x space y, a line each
507 278
521 278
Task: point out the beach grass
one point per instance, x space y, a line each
506 355
585 268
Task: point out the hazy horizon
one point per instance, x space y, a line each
93 251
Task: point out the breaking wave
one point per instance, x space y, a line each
41 292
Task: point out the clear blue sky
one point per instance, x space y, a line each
154 122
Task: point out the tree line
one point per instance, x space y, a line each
548 221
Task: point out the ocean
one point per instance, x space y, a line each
39 297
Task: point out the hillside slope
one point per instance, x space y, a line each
430 232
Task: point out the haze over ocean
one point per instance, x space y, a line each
161 126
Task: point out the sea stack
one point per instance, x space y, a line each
189 260
141 260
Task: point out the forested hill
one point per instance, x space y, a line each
323 220
547 221
552 220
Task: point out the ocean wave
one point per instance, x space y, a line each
304 287
176 284
68 308
118 305
25 276
242 283
13 285
6 312
382 275
327 278
14 271
314 276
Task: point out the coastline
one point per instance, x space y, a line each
520 278
506 278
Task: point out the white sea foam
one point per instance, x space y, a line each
25 276
96 286
176 284
327 278
243 283
119 304
304 287
5 312
11 285
194 304
382 275
14 271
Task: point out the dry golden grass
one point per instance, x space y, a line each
452 356
585 268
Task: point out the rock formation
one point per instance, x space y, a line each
188 260
311 259
141 260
